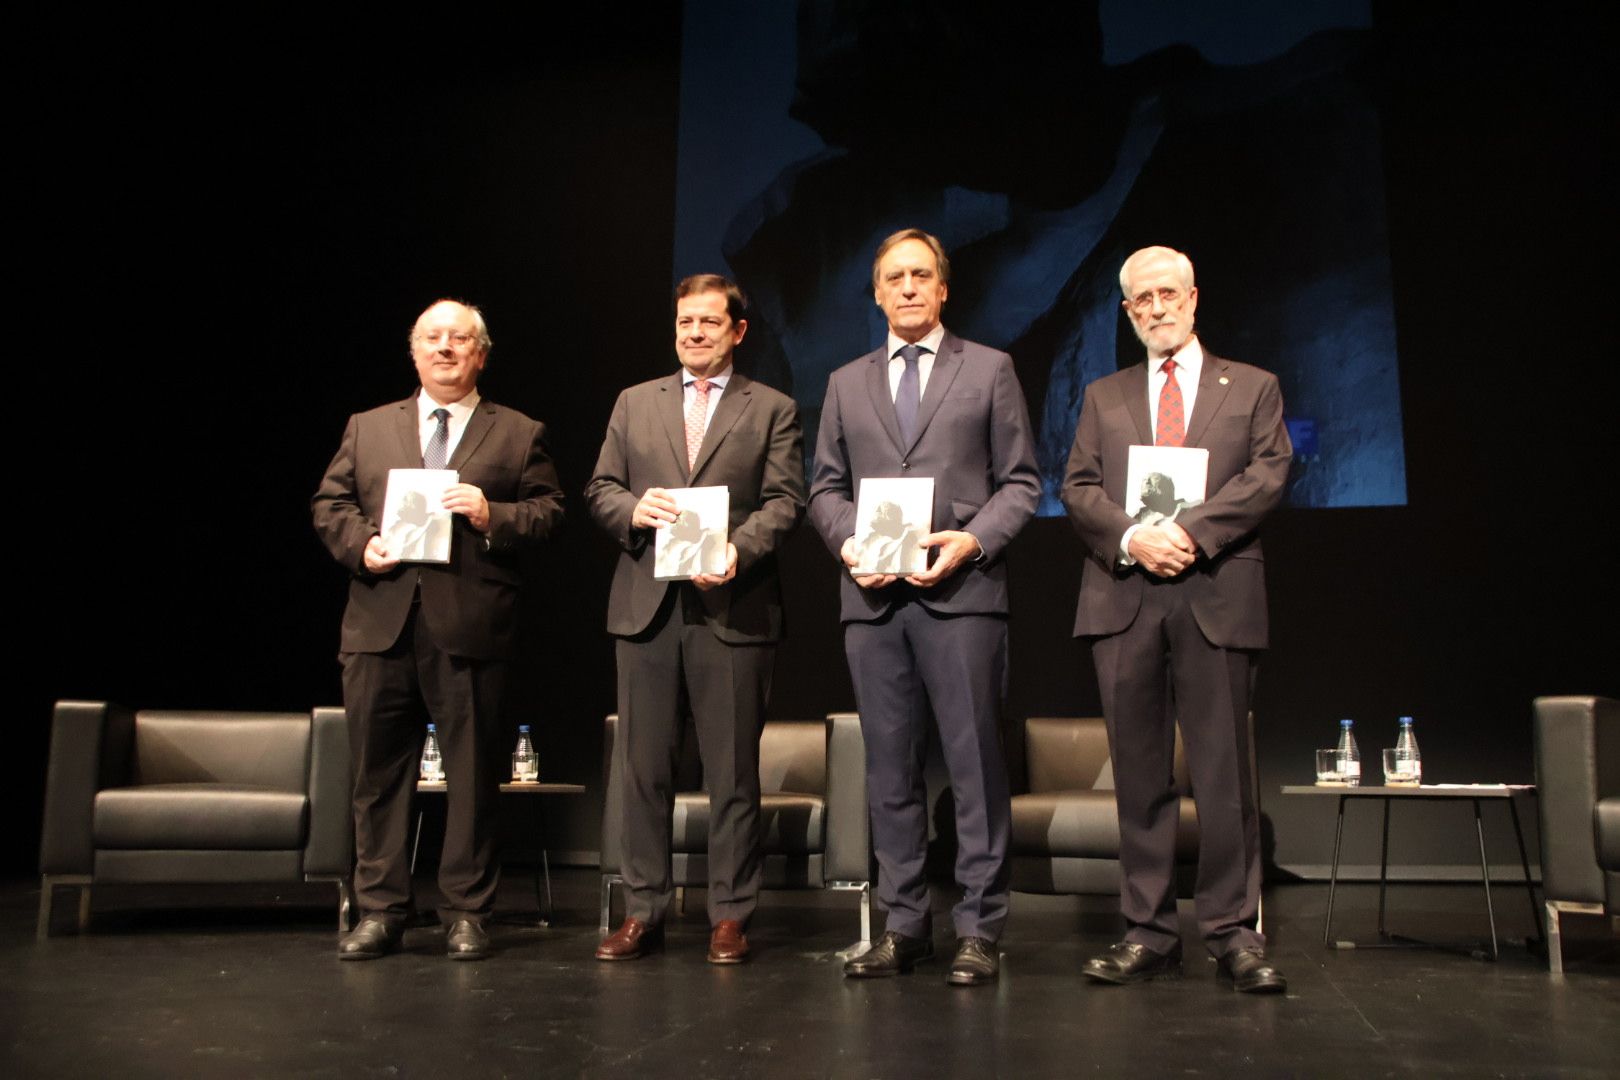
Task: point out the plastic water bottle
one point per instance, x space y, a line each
1406 751
525 766
1349 756
432 760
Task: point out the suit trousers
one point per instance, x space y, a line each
912 662
1159 672
390 697
675 668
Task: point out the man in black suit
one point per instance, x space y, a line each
425 641
1175 610
928 404
709 642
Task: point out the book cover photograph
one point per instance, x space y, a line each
695 542
892 515
1162 481
416 526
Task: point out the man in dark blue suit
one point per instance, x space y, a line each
929 404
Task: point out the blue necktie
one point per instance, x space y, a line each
437 452
908 398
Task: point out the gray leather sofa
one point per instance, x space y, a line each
1578 788
1065 829
813 812
193 797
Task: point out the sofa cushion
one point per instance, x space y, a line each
1083 824
789 823
1606 824
186 816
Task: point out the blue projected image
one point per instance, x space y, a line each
1043 143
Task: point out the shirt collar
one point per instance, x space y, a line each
930 341
459 410
720 380
1188 358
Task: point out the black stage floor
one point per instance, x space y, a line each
206 985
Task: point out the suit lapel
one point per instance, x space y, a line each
410 437
1136 403
733 400
478 425
877 385
672 410
947 362
1213 386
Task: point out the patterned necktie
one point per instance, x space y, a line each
908 396
1172 426
697 418
438 447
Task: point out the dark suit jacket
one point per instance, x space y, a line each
754 447
469 603
973 438
1238 418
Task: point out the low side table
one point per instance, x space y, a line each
543 865
1474 793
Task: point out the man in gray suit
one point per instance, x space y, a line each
1175 611
929 404
706 644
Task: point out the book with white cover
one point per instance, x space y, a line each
1162 481
892 515
416 526
695 542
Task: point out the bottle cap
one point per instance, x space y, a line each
1406 719
433 727
1345 723
523 729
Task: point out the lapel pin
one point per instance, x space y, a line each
1224 380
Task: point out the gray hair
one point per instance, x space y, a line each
1182 264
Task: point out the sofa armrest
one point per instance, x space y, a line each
849 846
90 745
1570 735
329 850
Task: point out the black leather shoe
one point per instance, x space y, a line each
975 964
466 940
1129 962
372 939
1251 973
894 954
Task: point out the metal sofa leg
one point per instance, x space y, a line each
1555 941
865 943
47 887
608 881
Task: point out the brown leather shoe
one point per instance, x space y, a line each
631 941
728 944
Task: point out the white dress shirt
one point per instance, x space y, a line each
1189 365
460 412
717 386
925 363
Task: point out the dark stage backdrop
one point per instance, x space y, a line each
224 247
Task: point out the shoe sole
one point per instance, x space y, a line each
482 955
885 973
1127 980
1262 986
728 959
962 978
647 949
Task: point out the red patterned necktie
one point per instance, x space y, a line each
1172 425
697 418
